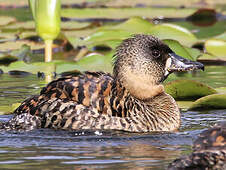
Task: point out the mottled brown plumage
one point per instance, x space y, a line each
132 99
209 151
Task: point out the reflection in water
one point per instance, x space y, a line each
50 149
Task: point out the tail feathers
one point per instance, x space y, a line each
22 122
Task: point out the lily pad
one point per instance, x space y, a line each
73 25
111 43
5 20
133 25
14 45
184 105
221 90
125 12
24 53
100 37
34 68
112 35
5 109
178 49
188 89
221 36
205 56
20 25
195 53
214 101
216 47
175 32
7 58
91 62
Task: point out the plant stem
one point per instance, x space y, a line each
32 7
48 50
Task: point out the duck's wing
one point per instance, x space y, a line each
89 89
84 89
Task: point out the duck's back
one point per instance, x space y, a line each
91 89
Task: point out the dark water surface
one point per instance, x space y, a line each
50 149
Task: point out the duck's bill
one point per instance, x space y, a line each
176 63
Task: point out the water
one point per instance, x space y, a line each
44 148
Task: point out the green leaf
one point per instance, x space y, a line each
16 45
188 89
5 20
205 56
28 25
178 49
133 25
91 62
7 58
101 37
214 101
73 25
118 13
216 47
47 68
221 36
195 53
184 105
15 55
221 90
175 32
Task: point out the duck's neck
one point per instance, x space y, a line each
158 113
140 85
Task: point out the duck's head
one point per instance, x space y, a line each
143 62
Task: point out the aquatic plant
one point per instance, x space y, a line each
46 14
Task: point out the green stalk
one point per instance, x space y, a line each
32 7
48 50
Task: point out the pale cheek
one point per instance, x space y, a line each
141 86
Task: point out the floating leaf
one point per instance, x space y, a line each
5 20
216 47
204 32
118 13
175 32
111 43
101 37
7 58
73 25
47 68
214 101
14 45
184 105
133 25
178 49
188 89
203 17
205 56
28 25
5 110
23 53
195 53
221 90
221 36
91 62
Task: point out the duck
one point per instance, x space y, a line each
209 151
132 99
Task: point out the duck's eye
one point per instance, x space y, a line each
156 53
